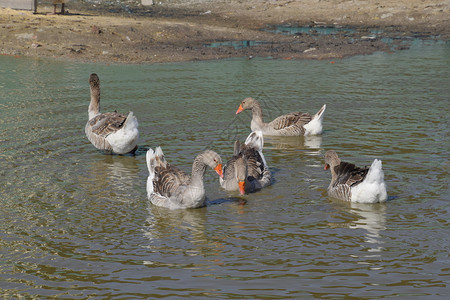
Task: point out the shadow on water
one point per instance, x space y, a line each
141 150
233 200
391 198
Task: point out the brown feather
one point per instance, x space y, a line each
349 174
168 179
107 123
254 162
295 118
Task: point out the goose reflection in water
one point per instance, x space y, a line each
313 142
184 232
370 217
112 176
180 231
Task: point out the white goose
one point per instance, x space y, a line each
169 187
247 171
111 132
291 124
350 183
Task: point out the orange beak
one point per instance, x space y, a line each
242 187
239 109
326 167
219 171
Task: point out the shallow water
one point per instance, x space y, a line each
76 223
312 30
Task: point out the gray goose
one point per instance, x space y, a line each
351 183
170 187
291 124
111 132
235 172
247 171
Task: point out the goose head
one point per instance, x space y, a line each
213 160
94 81
247 103
331 159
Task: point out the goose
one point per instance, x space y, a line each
351 183
235 172
291 124
247 171
170 187
111 132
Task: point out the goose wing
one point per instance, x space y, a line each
290 119
349 174
255 162
168 179
107 123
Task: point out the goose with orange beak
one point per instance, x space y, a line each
170 187
247 170
291 124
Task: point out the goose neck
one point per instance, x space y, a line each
257 115
94 106
198 171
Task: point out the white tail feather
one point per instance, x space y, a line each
315 126
153 158
319 114
375 174
149 157
373 188
125 139
130 122
159 152
256 140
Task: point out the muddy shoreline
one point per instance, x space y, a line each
192 30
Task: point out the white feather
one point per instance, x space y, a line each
256 140
125 139
315 125
373 188
149 157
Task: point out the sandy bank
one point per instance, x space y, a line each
180 31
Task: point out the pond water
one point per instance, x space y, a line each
312 30
76 223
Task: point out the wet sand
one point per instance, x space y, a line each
179 31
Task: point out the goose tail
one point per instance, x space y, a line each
154 159
315 125
131 122
125 140
256 140
373 188
319 114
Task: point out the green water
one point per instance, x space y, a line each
76 223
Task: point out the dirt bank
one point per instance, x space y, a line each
180 30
